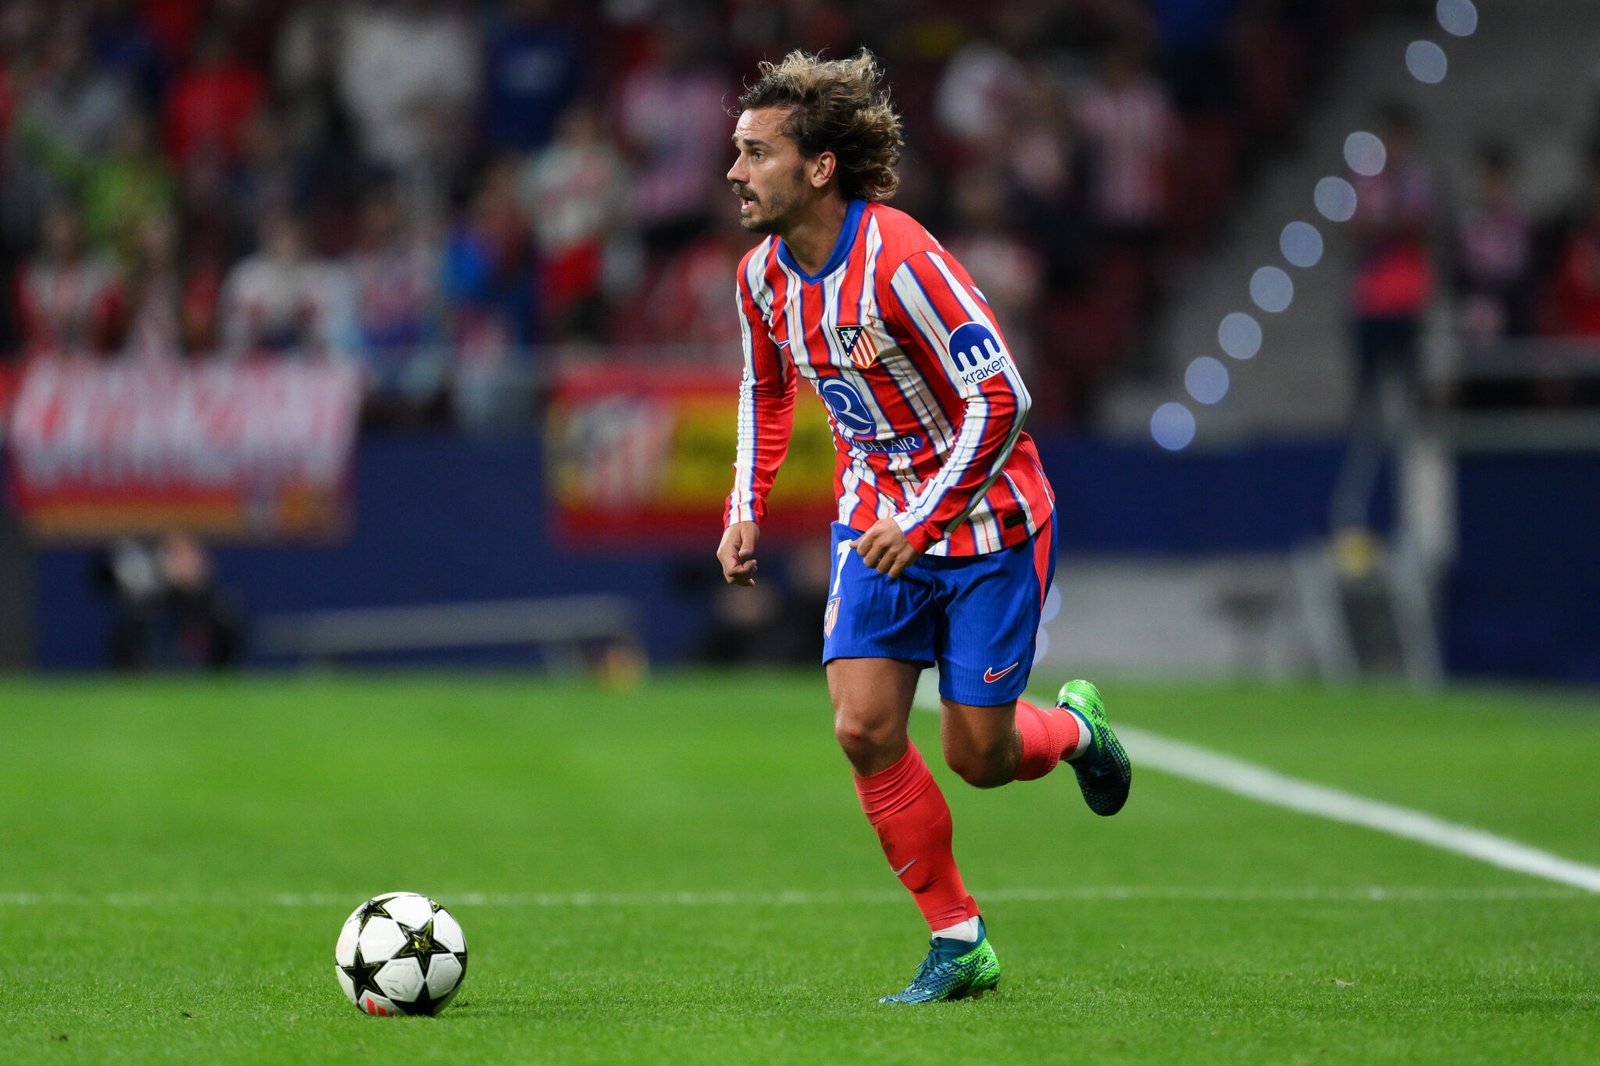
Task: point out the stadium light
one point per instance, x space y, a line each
1459 18
1172 426
1426 61
1272 289
1301 244
1365 154
1206 379
1335 199
1239 335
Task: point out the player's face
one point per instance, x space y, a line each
769 174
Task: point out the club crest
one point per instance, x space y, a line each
857 343
830 617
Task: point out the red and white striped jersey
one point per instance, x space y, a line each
924 399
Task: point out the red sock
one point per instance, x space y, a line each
1047 734
905 806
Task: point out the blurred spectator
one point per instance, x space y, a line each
1045 168
686 299
1272 58
1572 301
66 108
270 177
1194 55
756 29
1393 280
314 121
171 611
68 296
281 301
175 24
127 188
395 273
169 303
489 270
533 71
211 99
404 64
118 190
674 129
1007 270
984 83
1390 293
127 48
1493 243
1132 133
575 191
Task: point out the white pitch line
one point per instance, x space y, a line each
619 900
1267 786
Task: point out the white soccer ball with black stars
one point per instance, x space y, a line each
400 953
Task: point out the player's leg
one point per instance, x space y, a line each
1016 741
902 801
879 635
871 705
993 746
991 734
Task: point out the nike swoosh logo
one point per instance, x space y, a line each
991 675
906 867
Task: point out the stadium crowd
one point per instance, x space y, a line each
448 191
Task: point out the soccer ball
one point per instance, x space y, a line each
400 953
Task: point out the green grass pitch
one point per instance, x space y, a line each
679 873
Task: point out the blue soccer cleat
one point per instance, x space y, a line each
1104 772
954 969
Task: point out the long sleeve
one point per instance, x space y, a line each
766 416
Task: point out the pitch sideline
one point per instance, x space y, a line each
1241 778
1193 763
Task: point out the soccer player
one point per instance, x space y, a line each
945 544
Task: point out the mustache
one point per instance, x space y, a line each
743 192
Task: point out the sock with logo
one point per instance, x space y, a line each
1049 735
912 820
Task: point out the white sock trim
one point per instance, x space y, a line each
1085 735
967 930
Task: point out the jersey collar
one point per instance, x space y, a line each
841 247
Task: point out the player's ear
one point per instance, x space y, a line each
821 169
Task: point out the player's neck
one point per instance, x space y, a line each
812 238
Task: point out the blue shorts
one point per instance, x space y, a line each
975 616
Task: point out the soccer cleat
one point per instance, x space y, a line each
1104 772
954 969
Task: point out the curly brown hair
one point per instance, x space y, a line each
838 106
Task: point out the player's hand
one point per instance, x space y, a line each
737 553
885 548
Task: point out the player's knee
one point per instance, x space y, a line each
865 739
982 763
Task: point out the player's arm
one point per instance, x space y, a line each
766 417
963 344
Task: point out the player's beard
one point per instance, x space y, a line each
773 210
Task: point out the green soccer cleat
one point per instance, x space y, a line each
1104 772
954 969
